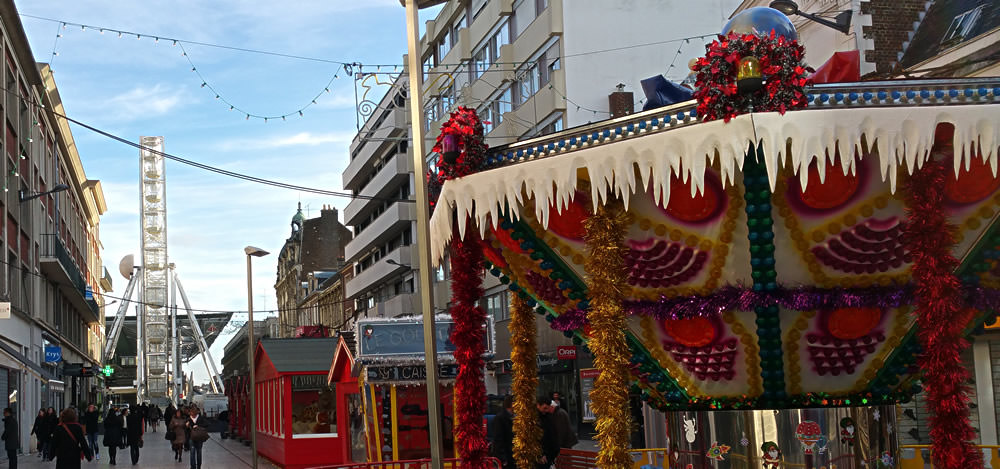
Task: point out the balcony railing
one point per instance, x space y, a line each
58 265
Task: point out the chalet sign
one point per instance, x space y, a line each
407 373
404 338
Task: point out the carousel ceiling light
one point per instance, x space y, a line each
841 22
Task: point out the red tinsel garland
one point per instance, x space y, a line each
782 66
939 308
465 126
467 335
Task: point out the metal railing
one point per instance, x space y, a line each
52 247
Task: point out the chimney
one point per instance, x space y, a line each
620 102
329 211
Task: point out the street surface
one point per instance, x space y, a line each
156 454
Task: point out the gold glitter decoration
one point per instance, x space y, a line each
664 360
523 352
903 322
750 350
605 281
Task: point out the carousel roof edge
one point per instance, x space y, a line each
681 145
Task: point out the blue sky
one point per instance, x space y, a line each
132 87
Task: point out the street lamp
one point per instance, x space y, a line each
251 346
24 196
841 22
424 277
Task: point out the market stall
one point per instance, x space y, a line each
775 264
392 405
296 418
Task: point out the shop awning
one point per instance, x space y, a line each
27 364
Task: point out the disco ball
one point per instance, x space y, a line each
760 21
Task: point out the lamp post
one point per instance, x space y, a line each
424 277
251 346
23 196
841 22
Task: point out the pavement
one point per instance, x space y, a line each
157 454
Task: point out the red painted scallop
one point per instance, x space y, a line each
570 222
835 190
972 185
691 332
699 207
852 323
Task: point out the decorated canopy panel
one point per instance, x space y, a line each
740 256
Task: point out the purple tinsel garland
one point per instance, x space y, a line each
571 320
801 299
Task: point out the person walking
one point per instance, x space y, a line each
199 435
11 438
550 436
68 442
175 427
51 422
154 416
503 434
564 429
90 422
133 434
38 429
113 437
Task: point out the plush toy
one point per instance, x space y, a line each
772 455
847 431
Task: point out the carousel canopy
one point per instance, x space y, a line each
801 212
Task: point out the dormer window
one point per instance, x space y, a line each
962 25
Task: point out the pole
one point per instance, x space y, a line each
175 343
425 279
250 360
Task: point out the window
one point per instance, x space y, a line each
429 63
480 61
962 25
456 27
489 52
551 61
524 14
477 7
504 104
497 305
486 116
527 83
431 112
439 274
314 405
444 45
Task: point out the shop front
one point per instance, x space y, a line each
296 416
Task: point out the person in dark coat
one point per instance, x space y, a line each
564 429
196 420
36 429
503 434
113 437
133 431
90 418
11 437
550 435
51 422
68 441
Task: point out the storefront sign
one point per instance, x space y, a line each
408 373
308 382
587 377
406 337
53 354
566 352
4 310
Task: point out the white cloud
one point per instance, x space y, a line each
283 141
136 103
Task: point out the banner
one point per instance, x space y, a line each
587 377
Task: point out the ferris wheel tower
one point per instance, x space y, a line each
153 313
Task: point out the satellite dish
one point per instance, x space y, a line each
126 266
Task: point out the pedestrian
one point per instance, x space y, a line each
154 416
176 427
564 429
51 422
199 435
11 438
38 429
113 436
503 434
68 441
90 427
550 437
144 413
133 431
185 411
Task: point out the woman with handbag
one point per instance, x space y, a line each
175 429
113 437
69 445
38 429
199 435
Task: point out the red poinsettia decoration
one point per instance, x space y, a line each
780 62
462 135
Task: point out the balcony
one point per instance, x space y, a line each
388 224
59 267
105 279
390 131
384 184
381 270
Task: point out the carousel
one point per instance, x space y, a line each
775 264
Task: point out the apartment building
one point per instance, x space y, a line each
51 272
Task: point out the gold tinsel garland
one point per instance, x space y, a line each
606 281
524 353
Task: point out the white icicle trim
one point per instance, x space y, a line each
903 137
